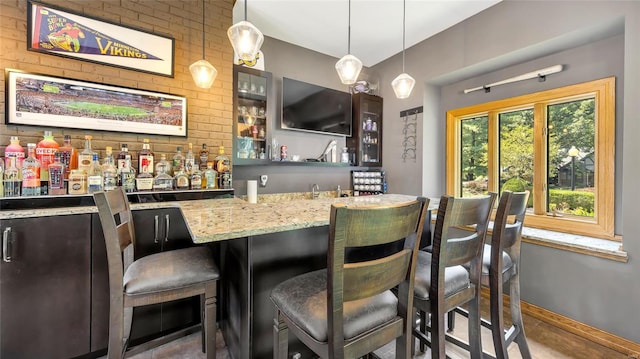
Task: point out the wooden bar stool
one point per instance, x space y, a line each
500 265
442 281
153 279
349 310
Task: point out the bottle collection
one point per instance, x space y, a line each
48 168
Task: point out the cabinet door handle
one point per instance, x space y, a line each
166 228
155 229
6 245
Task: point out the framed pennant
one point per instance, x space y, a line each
63 33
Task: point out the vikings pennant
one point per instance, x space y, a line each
67 34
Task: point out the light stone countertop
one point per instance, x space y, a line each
221 219
210 220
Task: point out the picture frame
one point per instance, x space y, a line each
41 100
60 32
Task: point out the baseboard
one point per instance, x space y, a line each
611 341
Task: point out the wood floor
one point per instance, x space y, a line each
545 342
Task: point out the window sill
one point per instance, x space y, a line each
596 247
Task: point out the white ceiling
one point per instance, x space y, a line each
376 25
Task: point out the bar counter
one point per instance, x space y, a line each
211 220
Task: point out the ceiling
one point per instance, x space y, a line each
376 25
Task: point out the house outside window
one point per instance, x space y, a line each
559 144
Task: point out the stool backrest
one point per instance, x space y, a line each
509 220
369 226
119 232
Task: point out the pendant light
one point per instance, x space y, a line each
202 71
403 84
349 66
245 38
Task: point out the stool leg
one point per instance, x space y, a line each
423 329
451 320
516 316
475 344
280 337
209 320
497 318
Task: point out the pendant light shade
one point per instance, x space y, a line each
245 38
202 71
403 84
349 66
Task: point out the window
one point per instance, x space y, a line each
559 144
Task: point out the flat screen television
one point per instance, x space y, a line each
309 107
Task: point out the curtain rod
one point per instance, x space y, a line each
541 74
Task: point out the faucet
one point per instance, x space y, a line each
315 191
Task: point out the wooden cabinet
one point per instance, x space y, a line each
253 113
366 135
45 282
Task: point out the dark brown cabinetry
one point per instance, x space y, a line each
45 302
366 135
252 113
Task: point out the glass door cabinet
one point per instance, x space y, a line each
366 135
253 112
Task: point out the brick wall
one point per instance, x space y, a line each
209 110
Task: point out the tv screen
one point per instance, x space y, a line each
309 107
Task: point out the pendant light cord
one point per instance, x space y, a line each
245 10
404 15
203 30
348 31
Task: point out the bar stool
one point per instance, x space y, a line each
157 278
442 282
501 264
349 310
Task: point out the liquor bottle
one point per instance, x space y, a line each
94 177
181 179
12 183
195 179
189 160
163 180
56 176
145 160
85 158
121 162
14 150
177 161
77 182
223 168
45 151
109 175
128 175
163 166
204 157
210 177
31 172
69 156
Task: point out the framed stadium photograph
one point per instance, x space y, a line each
42 100
60 32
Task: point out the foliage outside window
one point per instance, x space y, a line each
559 144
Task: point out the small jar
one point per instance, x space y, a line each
344 156
77 182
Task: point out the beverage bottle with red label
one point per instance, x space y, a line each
45 152
14 150
85 158
31 172
145 159
69 156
